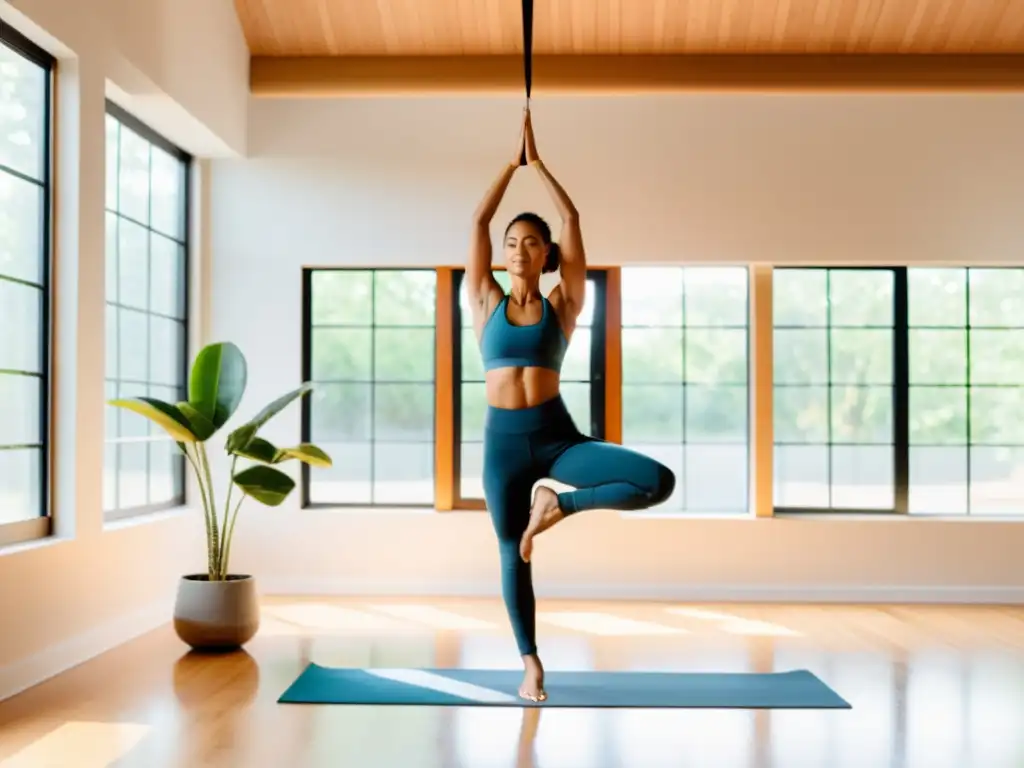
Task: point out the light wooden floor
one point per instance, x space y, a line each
931 687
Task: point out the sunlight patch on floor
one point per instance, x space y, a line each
757 628
314 618
80 744
701 613
735 625
599 623
435 618
424 679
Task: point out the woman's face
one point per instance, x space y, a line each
525 250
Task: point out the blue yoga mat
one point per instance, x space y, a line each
797 689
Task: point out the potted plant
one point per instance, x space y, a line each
219 610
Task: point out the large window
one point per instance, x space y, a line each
833 388
966 404
25 87
369 348
685 380
899 390
147 195
895 389
582 368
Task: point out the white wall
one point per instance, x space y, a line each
181 65
91 586
704 178
698 179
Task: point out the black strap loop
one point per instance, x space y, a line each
527 56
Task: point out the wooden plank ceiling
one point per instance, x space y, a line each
279 28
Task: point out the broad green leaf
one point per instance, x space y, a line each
265 452
241 437
163 414
265 484
239 440
279 405
308 453
260 450
218 382
201 426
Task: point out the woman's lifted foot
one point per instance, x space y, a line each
532 688
544 513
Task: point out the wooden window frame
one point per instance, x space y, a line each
606 388
605 382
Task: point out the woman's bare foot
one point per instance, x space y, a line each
544 514
532 688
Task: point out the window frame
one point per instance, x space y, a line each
606 386
41 525
306 374
598 374
968 386
749 385
900 392
150 135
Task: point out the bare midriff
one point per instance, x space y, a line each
516 388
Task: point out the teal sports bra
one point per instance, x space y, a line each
541 345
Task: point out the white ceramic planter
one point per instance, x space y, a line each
216 615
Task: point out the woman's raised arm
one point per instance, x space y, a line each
481 287
572 266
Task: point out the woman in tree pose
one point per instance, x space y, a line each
529 434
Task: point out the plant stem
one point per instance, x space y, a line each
210 564
227 539
215 539
227 514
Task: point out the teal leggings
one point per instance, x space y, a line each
526 445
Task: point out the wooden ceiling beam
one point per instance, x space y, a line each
340 76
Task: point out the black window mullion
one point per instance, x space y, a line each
120 413
682 485
456 315
149 306
373 386
598 335
185 212
828 379
305 421
901 391
967 375
45 388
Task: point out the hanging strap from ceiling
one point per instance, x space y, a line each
527 56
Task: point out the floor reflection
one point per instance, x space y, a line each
930 687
